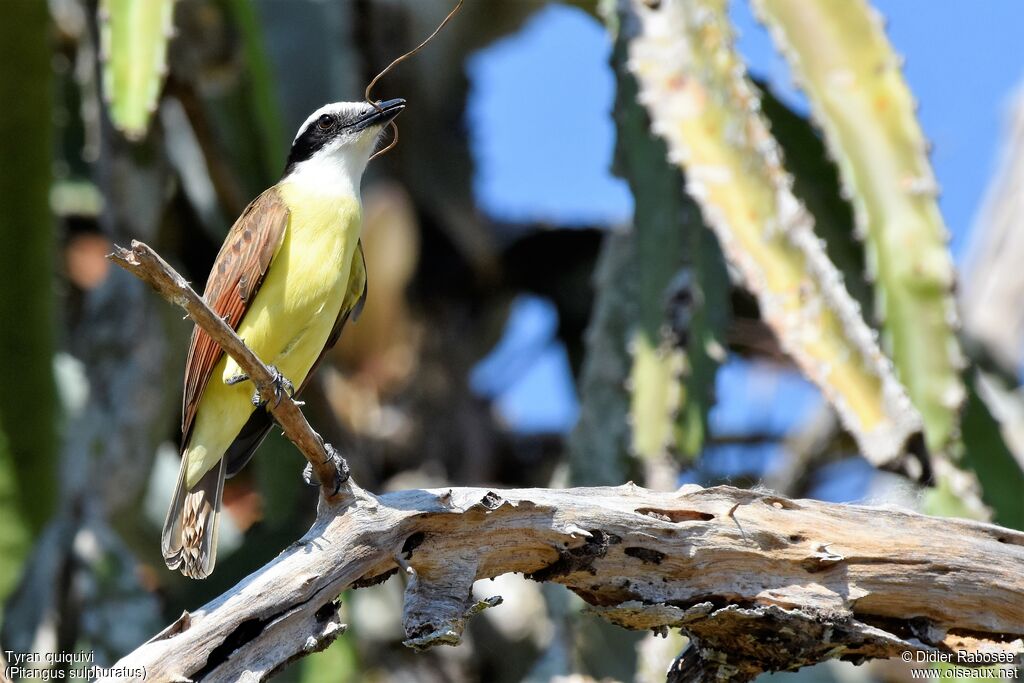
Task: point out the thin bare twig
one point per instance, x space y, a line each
144 263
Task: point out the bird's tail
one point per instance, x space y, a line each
189 540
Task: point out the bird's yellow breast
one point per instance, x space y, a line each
289 320
308 276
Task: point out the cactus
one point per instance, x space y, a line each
839 52
15 533
672 373
133 51
696 91
598 444
29 410
708 288
655 383
989 424
816 182
662 215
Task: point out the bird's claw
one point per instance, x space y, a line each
281 384
341 471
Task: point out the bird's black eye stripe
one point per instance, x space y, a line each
320 132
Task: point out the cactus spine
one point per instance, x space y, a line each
700 101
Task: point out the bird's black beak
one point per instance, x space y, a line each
382 114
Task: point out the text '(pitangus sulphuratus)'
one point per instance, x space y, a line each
290 273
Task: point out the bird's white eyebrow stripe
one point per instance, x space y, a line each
343 108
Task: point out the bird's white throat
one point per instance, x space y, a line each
333 171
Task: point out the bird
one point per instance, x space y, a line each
289 275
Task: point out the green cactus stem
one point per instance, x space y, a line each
659 235
700 101
133 50
704 336
672 375
599 443
840 54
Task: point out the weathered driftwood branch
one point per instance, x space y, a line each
147 265
759 582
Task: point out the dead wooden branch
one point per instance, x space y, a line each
758 582
147 265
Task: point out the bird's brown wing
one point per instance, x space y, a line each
234 280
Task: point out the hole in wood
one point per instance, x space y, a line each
676 515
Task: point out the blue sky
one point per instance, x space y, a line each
540 125
963 61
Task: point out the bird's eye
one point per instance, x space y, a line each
325 122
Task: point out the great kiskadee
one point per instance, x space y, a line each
290 273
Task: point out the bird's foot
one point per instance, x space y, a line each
281 384
341 471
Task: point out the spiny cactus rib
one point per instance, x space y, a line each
655 384
816 183
839 52
133 50
703 336
695 87
662 219
600 440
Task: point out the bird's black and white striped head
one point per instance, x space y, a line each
336 141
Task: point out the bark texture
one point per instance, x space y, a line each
759 582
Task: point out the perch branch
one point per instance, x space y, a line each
757 581
147 265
